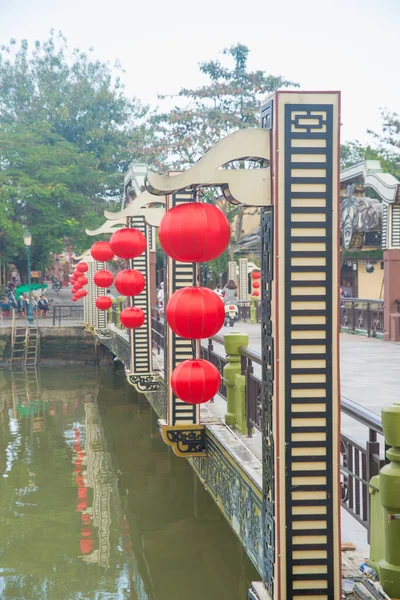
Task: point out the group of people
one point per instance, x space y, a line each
20 304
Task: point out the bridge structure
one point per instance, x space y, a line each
268 447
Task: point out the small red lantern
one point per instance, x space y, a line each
256 285
82 267
103 278
101 251
255 293
76 287
195 313
128 243
74 299
256 275
195 381
103 302
194 232
83 280
130 282
132 317
82 293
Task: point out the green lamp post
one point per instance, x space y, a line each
28 242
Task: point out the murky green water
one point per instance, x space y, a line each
93 505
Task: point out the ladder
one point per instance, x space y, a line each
31 346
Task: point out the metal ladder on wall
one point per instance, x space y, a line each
24 344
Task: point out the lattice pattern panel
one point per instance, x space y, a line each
243 279
268 449
384 226
141 338
308 349
98 291
179 275
395 226
232 271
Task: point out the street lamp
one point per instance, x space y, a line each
28 242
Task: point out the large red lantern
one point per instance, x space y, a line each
103 278
103 302
128 243
195 381
83 280
195 313
194 232
256 275
130 282
256 285
132 317
101 251
82 267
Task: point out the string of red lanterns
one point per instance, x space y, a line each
195 232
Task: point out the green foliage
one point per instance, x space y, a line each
65 127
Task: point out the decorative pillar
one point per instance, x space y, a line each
391 295
232 271
141 348
100 315
389 485
151 236
300 349
243 280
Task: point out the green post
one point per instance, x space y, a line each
232 343
253 310
389 567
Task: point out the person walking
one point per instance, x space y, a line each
230 291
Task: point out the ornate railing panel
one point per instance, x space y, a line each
61 313
207 352
157 328
358 314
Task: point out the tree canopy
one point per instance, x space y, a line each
65 126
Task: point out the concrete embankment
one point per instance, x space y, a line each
61 346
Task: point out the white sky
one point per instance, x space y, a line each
350 45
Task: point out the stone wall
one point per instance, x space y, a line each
61 346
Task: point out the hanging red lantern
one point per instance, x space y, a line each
130 282
103 278
103 302
128 243
195 381
195 313
82 267
256 293
101 251
76 287
256 275
82 293
74 298
256 285
83 280
194 232
132 317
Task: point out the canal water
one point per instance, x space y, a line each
94 506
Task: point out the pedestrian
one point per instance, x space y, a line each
43 305
110 295
230 292
21 305
218 290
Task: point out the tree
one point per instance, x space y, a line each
65 127
230 100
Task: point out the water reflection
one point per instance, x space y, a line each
94 505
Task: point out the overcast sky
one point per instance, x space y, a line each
350 45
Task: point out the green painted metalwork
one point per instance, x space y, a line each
232 343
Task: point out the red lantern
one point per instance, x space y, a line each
74 298
195 381
82 267
132 317
101 251
256 274
130 282
256 285
82 293
128 243
103 278
103 302
194 232
83 280
195 313
76 287
255 293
